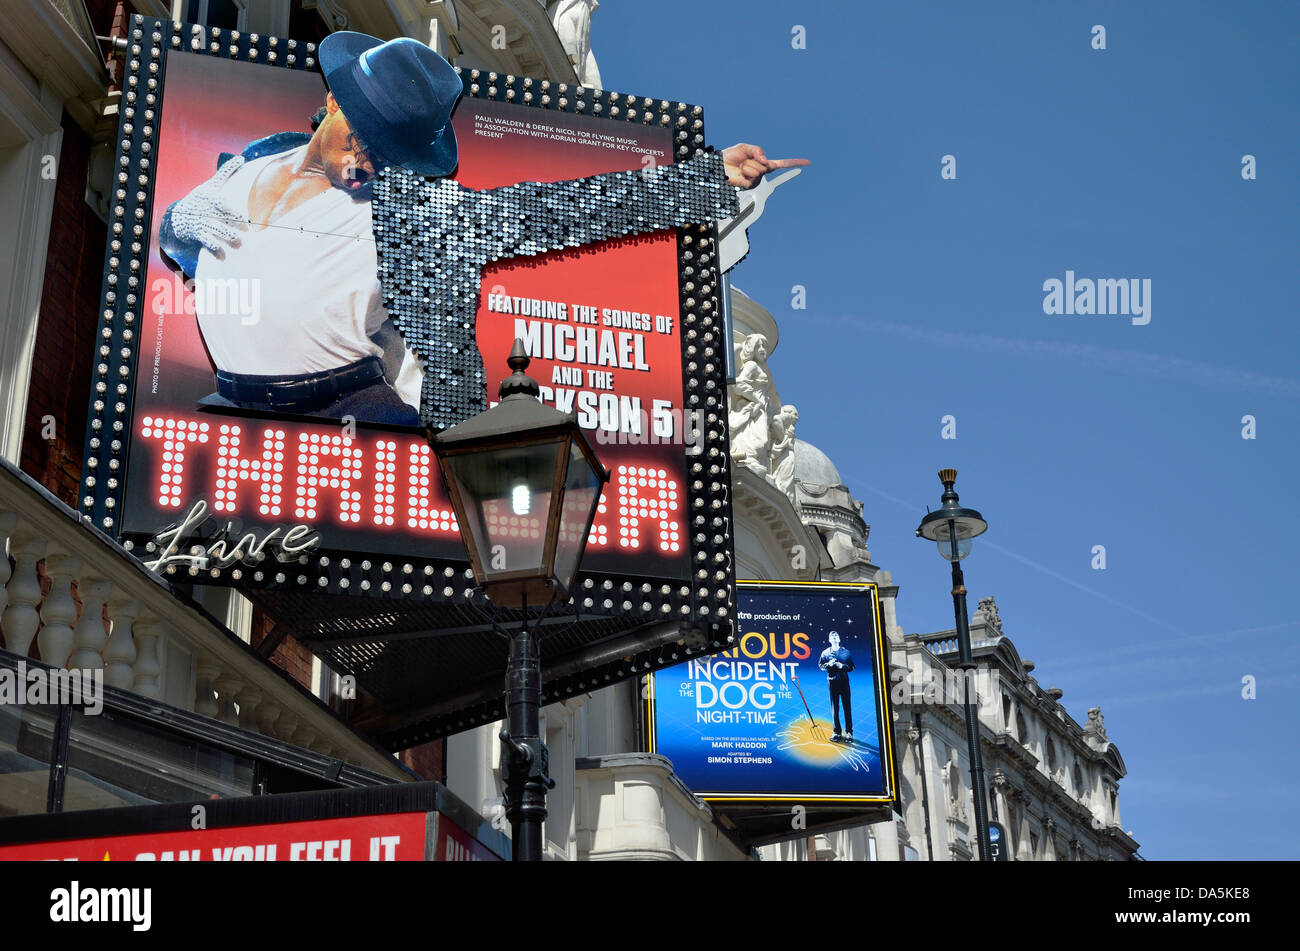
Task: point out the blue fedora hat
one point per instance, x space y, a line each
397 96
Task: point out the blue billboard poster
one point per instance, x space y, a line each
797 711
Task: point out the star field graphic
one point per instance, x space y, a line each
759 720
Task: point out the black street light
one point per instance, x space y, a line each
952 528
524 484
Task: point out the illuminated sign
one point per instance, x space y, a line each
225 550
797 711
340 487
280 361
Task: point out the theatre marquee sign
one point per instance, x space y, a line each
266 375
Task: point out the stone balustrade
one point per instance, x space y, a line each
630 806
73 598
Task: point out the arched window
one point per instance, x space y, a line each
1051 756
1022 729
1078 780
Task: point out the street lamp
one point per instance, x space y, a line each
524 484
952 528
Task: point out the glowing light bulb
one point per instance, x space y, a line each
520 500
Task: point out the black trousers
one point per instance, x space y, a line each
840 692
376 403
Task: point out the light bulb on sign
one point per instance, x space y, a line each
521 500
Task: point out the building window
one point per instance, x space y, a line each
1022 729
26 745
1078 780
224 14
1051 756
108 765
1006 711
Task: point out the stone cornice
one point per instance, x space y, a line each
757 499
535 50
58 55
835 515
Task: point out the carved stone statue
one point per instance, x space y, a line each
956 791
782 433
988 613
1096 723
751 436
572 22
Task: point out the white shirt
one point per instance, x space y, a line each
308 292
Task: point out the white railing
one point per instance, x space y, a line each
75 599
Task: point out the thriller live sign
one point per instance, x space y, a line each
623 325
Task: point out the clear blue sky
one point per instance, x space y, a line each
925 298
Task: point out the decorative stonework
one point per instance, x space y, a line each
987 613
572 22
1096 725
752 398
762 428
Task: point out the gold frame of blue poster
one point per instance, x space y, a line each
797 711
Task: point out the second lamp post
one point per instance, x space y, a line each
952 528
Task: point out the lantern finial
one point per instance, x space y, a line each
519 383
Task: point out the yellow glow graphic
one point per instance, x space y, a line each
810 741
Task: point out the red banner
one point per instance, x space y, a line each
399 837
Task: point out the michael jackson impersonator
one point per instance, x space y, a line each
292 211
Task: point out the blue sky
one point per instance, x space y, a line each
1072 431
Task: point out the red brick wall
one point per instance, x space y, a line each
427 760
290 655
65 343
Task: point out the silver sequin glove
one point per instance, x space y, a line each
202 217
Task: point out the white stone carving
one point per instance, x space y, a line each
751 400
782 435
956 790
572 22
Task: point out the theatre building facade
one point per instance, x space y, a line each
208 696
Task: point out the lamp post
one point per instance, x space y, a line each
952 528
524 484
